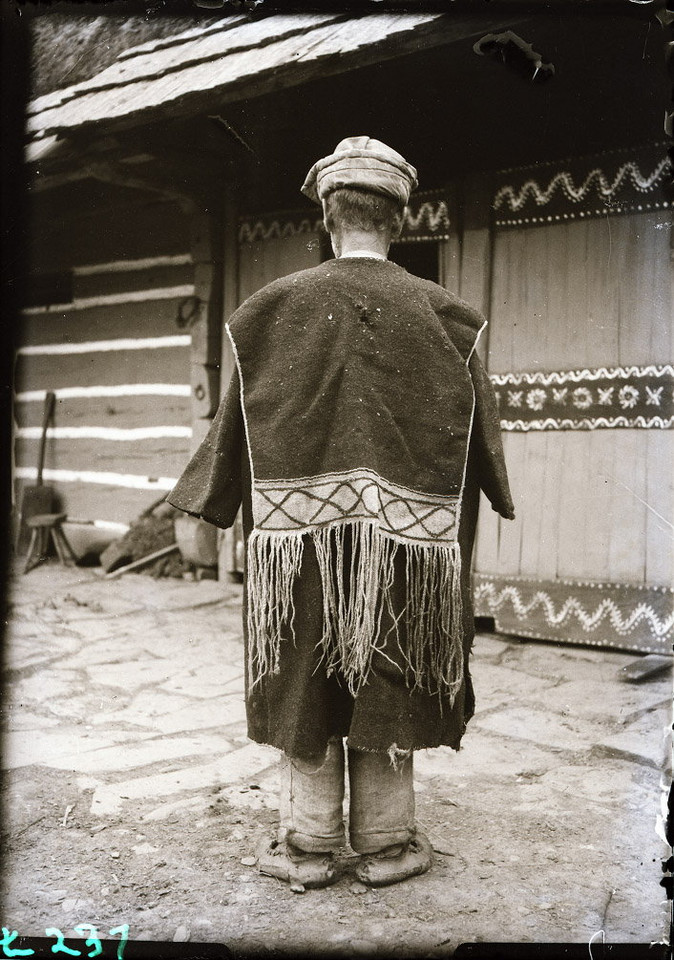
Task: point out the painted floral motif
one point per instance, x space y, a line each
628 396
582 398
536 399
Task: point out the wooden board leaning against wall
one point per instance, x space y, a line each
580 352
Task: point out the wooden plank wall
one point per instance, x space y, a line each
114 355
590 504
262 261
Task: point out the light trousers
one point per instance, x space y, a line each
381 801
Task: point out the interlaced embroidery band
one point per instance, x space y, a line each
355 495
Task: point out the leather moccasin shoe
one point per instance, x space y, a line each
394 864
282 860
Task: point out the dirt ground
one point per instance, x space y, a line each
184 877
538 837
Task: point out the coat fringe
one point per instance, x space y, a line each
356 564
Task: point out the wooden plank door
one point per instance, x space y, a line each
580 351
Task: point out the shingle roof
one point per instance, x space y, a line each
234 59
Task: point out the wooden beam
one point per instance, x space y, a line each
111 172
476 250
206 330
230 280
53 181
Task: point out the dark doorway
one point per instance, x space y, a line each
420 258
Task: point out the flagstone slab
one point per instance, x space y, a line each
198 804
212 645
44 646
496 684
143 708
614 783
232 767
646 740
205 681
129 755
18 718
620 701
489 646
106 627
264 798
26 747
482 754
45 685
131 674
565 663
32 653
84 707
111 648
171 713
216 712
546 729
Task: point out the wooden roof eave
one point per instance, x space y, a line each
328 50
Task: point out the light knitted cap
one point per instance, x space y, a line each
363 163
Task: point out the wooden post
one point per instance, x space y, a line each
205 321
476 249
449 250
230 282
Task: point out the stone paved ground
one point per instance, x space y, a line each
132 794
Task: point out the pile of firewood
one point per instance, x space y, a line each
149 546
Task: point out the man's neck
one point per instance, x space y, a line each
362 243
363 254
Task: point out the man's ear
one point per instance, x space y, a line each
326 219
398 224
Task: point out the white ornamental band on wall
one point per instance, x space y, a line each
426 220
579 604
577 193
640 397
595 179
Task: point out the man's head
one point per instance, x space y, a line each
362 212
363 187
364 164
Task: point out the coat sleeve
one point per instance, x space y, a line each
486 444
210 486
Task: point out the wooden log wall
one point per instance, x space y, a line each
116 355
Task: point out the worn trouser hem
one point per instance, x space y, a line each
311 844
374 842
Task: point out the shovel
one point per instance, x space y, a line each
39 498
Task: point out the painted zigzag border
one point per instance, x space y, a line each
516 199
573 608
587 423
579 376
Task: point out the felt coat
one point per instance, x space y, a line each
361 380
